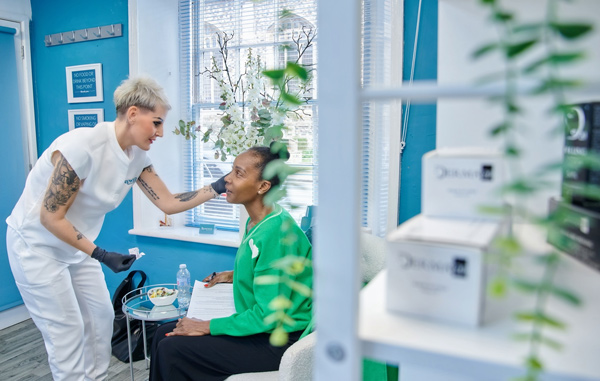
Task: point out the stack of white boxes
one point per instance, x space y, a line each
436 260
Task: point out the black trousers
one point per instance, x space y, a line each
206 358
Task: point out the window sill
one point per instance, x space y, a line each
219 238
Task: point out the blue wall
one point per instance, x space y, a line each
422 118
162 256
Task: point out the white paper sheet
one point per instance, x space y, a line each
211 303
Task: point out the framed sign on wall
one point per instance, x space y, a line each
85 117
84 83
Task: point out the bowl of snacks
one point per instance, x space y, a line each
162 296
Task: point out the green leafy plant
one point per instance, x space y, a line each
290 265
186 129
515 40
253 113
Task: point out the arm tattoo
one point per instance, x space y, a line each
187 196
63 185
79 234
148 189
209 189
150 169
144 185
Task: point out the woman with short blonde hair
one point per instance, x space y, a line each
84 174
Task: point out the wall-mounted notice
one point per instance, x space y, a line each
84 83
85 117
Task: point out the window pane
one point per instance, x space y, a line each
268 29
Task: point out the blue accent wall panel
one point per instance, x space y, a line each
162 256
421 131
49 63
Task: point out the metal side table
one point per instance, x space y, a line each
137 305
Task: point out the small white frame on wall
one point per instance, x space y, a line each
84 83
85 117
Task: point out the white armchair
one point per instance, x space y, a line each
297 361
296 364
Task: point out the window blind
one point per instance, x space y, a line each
375 154
267 27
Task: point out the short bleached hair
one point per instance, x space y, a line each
143 92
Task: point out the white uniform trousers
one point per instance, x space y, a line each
70 304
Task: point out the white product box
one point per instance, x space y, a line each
458 181
437 268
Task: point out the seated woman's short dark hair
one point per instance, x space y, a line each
276 151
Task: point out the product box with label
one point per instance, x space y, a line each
437 268
457 182
582 138
577 232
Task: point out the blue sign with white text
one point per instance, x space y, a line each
85 120
84 83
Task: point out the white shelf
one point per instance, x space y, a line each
430 91
424 348
219 238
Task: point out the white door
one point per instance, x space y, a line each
14 145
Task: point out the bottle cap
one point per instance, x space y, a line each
182 266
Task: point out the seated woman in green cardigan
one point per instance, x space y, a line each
192 349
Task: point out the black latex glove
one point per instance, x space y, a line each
114 261
219 185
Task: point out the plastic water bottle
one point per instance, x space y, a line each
183 286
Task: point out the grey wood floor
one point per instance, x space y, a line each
23 357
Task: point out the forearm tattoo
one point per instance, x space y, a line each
187 196
148 189
145 185
209 189
63 185
79 234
